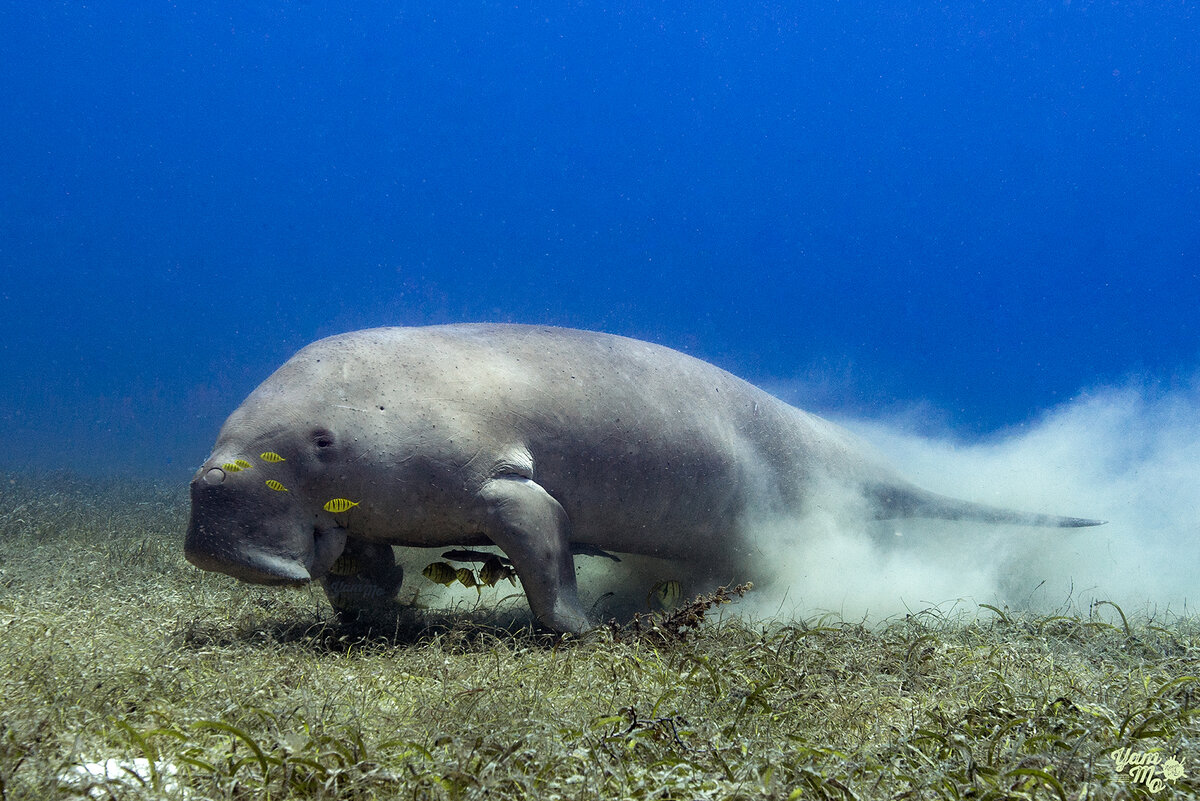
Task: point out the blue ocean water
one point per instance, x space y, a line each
984 209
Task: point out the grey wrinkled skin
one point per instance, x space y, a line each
528 438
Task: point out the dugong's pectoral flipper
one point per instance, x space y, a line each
531 527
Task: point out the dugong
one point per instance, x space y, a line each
534 439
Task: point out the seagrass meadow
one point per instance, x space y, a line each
126 673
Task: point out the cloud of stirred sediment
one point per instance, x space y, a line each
1128 455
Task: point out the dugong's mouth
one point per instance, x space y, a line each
272 569
257 565
253 566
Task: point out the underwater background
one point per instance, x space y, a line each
985 208
972 221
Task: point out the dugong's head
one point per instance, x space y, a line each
256 514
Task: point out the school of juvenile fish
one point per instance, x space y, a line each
334 505
494 570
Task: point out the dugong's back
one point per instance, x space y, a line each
625 434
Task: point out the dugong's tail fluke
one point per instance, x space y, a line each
897 501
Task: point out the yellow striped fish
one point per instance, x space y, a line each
242 463
344 566
439 573
338 505
275 485
231 467
494 570
271 456
466 577
664 595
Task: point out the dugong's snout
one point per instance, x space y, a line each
219 550
234 532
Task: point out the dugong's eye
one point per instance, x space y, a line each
322 438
